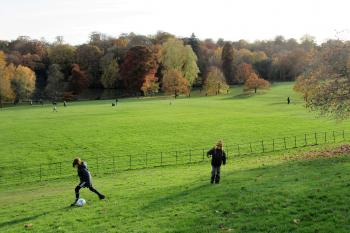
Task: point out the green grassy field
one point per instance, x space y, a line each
263 193
258 193
35 134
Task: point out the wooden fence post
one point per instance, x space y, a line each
295 141
305 140
285 144
40 172
146 160
273 144
262 145
113 164
130 162
325 137
316 139
161 158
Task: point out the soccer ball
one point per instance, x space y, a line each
80 202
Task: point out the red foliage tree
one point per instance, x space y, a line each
138 63
78 81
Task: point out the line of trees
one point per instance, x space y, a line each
144 65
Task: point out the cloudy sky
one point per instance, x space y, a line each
228 19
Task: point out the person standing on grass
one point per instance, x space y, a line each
218 157
85 179
288 100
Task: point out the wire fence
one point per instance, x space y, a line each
114 164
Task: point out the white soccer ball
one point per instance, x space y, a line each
80 202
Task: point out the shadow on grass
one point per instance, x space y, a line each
30 218
294 196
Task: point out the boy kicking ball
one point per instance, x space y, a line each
85 180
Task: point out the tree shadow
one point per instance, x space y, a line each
30 218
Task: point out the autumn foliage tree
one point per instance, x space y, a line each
138 63
150 85
227 60
215 82
110 75
254 82
326 84
243 72
175 84
55 82
78 80
176 56
23 83
6 93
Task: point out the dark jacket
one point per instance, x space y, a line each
84 174
218 157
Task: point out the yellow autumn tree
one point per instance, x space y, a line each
215 82
6 74
23 83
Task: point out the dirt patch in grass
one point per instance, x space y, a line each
325 153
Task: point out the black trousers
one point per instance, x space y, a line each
85 185
215 174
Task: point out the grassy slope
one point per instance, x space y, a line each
36 134
261 193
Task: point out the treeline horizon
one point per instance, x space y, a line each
145 65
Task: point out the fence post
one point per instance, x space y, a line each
316 138
305 140
333 136
176 157
343 135
161 158
325 137
20 173
130 162
146 159
251 149
40 172
114 164
295 141
203 155
239 152
273 144
262 145
285 144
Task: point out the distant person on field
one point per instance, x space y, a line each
116 101
65 103
288 100
85 179
218 157
54 106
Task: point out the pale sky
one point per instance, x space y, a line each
228 19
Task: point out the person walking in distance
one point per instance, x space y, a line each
85 179
218 157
